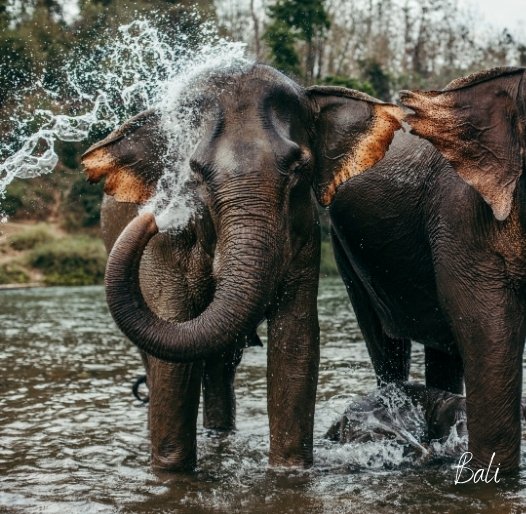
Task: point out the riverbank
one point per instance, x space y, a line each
42 254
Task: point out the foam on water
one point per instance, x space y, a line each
139 68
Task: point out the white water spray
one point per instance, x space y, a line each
141 68
388 432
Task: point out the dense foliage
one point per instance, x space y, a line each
377 46
72 261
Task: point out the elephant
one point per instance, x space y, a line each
190 299
431 245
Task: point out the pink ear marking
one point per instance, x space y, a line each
97 163
367 150
121 182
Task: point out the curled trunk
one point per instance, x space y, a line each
242 292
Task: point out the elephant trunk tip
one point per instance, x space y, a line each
146 224
150 222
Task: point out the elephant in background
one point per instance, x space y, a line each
431 244
191 299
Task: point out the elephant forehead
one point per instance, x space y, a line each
249 151
225 156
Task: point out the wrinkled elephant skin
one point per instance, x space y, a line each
432 247
190 300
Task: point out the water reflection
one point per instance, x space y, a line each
73 438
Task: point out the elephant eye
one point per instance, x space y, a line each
304 160
295 160
199 169
288 158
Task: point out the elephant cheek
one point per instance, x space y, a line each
127 187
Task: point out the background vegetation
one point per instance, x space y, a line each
377 46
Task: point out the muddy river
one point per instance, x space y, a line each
74 440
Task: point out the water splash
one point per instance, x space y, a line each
139 68
180 120
384 430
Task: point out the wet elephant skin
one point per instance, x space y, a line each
431 245
193 298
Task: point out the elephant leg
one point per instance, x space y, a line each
292 373
174 400
391 357
219 398
175 283
444 371
489 328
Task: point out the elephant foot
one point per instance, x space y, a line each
290 462
409 413
220 416
222 428
173 462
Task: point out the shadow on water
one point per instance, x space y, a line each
73 438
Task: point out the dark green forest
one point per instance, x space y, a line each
377 46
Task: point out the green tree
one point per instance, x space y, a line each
15 65
4 14
293 21
380 81
281 42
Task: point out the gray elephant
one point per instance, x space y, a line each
436 252
190 300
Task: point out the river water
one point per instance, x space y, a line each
74 440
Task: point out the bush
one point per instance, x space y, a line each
328 265
71 261
81 209
33 199
13 273
31 237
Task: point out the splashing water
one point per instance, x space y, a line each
388 432
180 121
140 68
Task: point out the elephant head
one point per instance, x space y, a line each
265 142
478 124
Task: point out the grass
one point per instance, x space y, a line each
70 261
13 272
31 237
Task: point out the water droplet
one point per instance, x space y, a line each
140 68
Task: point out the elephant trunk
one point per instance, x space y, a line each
244 266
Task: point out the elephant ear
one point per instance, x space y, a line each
129 159
477 124
353 132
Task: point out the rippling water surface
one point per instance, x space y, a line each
74 440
